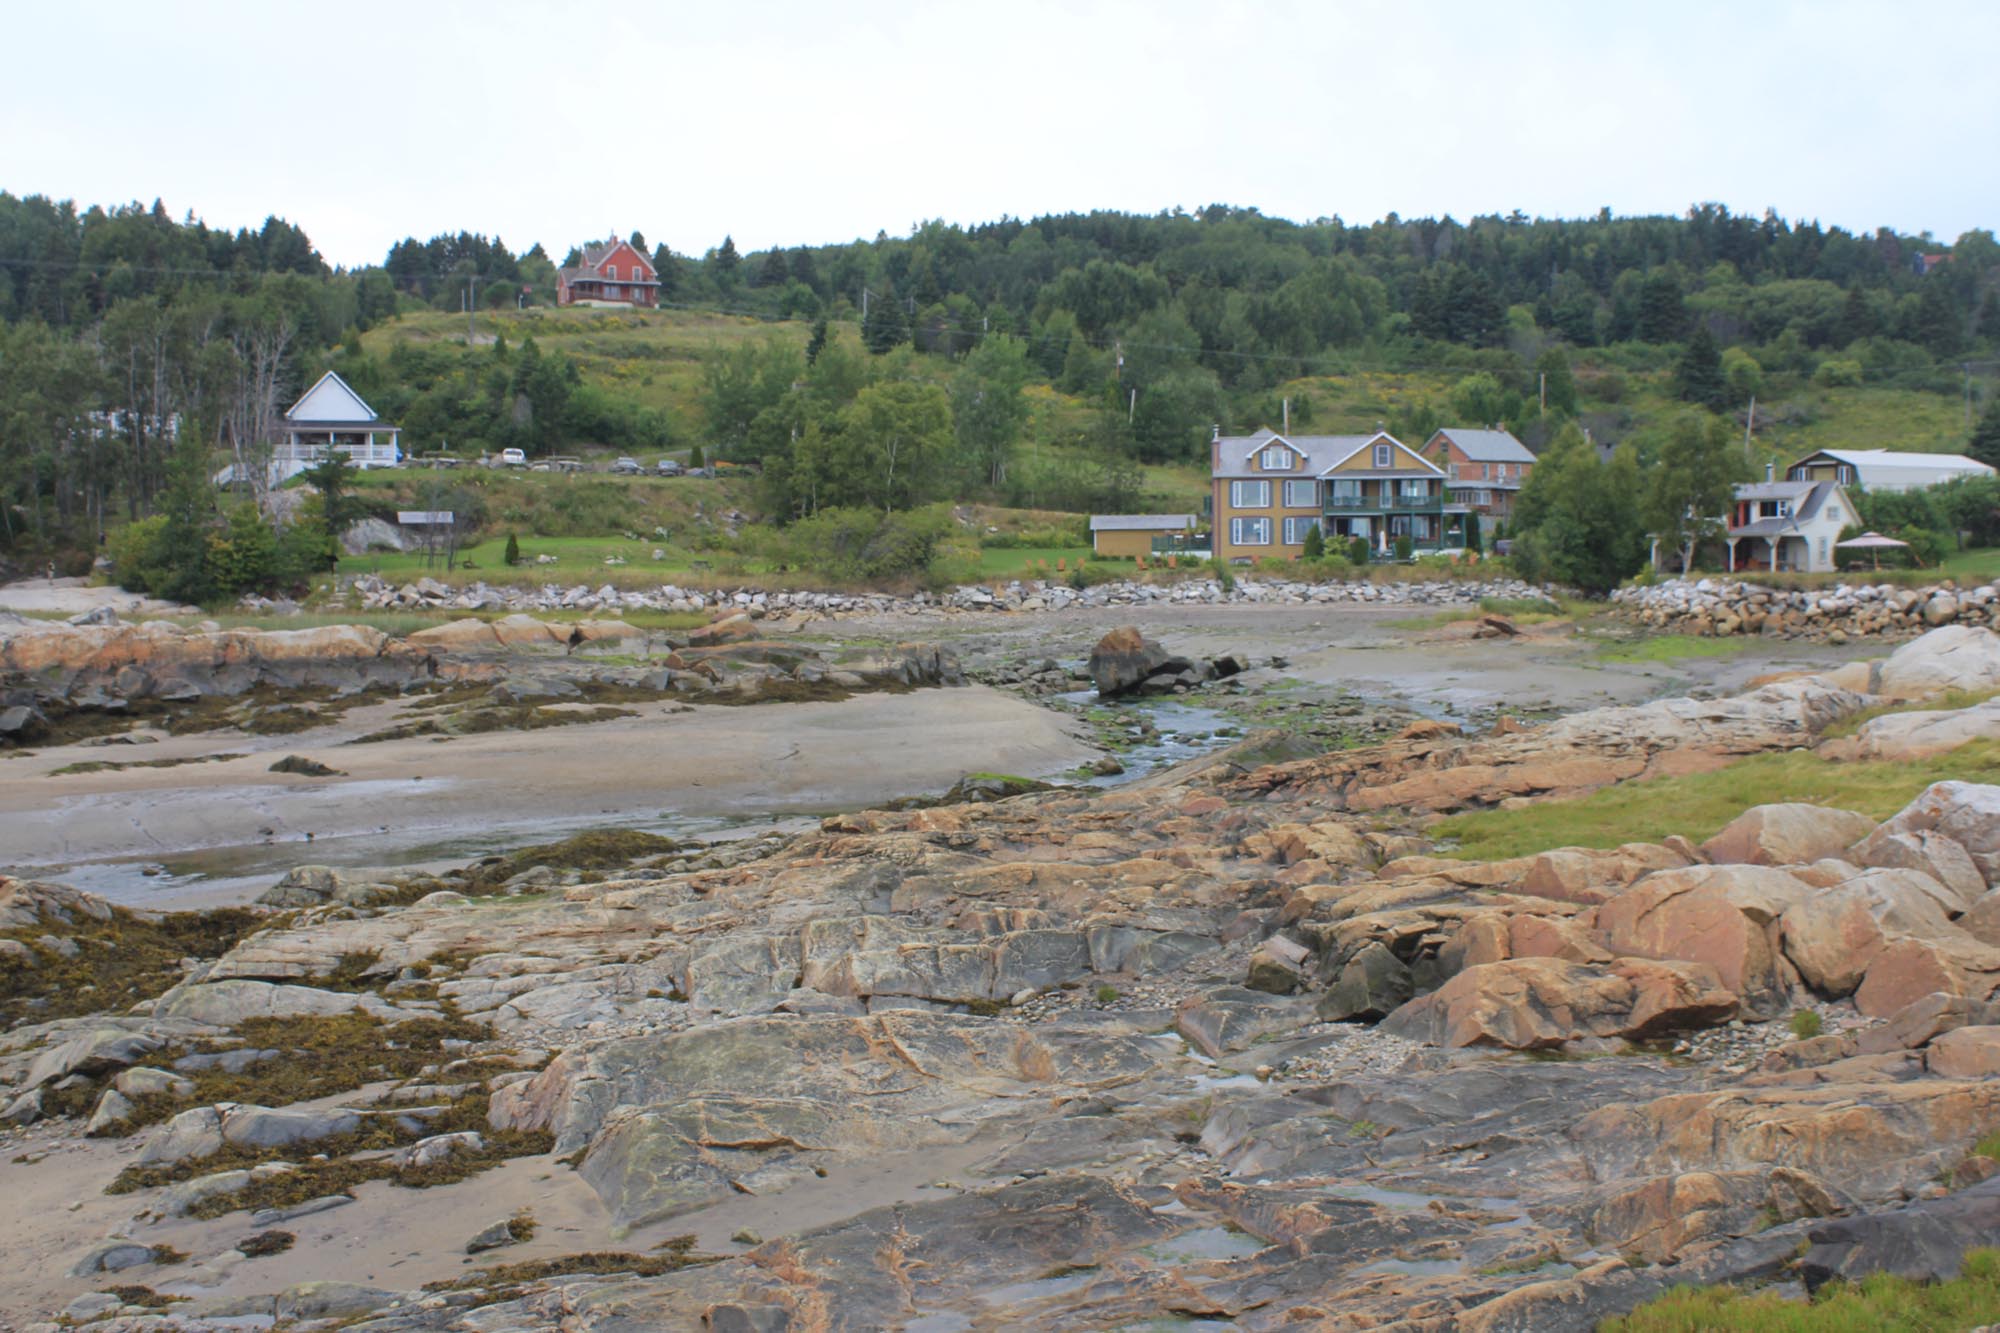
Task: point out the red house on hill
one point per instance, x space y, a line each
612 273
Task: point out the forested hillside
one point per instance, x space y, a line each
1073 361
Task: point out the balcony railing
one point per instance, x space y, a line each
1351 502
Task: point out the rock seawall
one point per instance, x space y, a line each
1014 595
1726 606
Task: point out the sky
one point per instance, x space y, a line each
814 123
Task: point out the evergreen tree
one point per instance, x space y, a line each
817 342
512 555
1698 373
1314 547
1857 320
724 261
666 270
1662 314
885 327
1936 324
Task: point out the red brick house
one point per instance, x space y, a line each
612 273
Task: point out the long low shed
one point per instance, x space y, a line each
1129 535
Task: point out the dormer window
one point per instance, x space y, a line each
1383 455
1276 459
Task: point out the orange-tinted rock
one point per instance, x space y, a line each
1788 834
1969 1052
1536 1003
1719 915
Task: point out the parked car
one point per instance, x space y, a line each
670 468
513 458
627 467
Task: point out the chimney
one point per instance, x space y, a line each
1215 432
1288 416
1771 470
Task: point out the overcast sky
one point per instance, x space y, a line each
813 122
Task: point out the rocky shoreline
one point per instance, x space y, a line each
1234 1044
1845 611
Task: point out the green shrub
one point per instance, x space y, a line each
1315 544
512 555
1357 550
1837 374
1405 548
1223 574
696 459
1806 1024
867 546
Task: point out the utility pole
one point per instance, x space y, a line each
1749 424
1968 397
471 293
1542 393
1132 411
864 305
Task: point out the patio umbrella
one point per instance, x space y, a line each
1874 543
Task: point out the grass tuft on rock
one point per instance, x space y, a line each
1697 805
1877 1304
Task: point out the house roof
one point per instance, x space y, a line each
1893 467
1140 522
1807 497
577 273
1487 446
1317 452
330 402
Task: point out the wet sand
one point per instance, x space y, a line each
668 765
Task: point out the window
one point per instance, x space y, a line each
1297 528
1414 488
1249 532
1250 495
1346 494
1502 472
1301 494
1822 550
1384 455
611 272
1276 459
1833 513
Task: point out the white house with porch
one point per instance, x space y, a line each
332 418
1788 525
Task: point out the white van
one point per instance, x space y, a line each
513 458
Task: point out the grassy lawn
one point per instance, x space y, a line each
1700 804
1876 1304
576 559
1975 566
1012 562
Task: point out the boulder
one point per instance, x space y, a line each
1966 812
1931 853
1950 657
1372 983
1900 737
1967 1052
1834 936
1541 1003
729 629
1123 660
1786 834
1724 916
1924 1242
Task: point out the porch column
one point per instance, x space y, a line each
1732 553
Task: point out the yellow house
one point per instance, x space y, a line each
1269 490
1129 535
